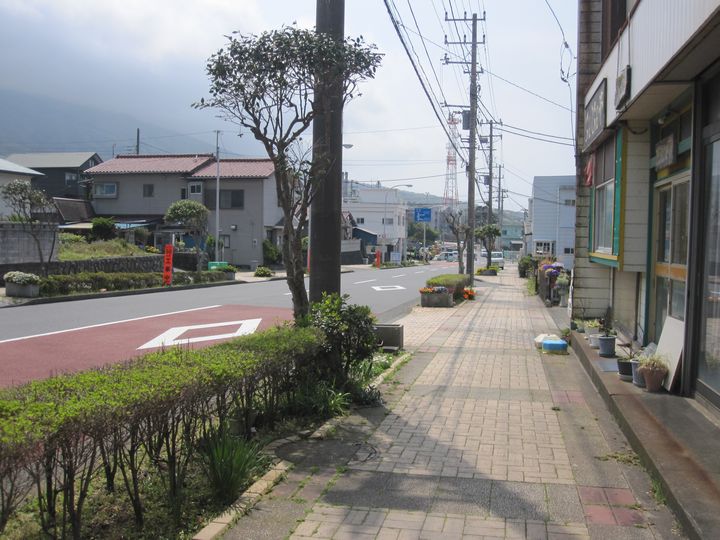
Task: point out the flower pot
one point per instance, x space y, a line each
653 378
625 369
594 340
31 290
607 346
436 300
637 376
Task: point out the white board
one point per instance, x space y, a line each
671 346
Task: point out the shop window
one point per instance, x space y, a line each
604 197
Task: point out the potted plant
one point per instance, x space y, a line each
654 368
637 376
469 293
22 284
579 325
229 271
436 297
592 333
566 335
606 341
562 286
624 362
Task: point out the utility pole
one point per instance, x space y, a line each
470 266
501 195
137 142
325 211
217 195
490 174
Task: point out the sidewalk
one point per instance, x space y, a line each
481 437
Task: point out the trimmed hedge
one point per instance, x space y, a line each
144 417
85 282
454 282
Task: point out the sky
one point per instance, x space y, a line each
147 59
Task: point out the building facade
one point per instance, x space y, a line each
648 176
550 224
63 173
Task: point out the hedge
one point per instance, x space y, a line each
84 282
58 434
454 282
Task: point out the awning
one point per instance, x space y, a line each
369 237
81 226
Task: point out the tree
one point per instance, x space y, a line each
35 212
103 228
193 216
415 233
266 84
461 231
488 234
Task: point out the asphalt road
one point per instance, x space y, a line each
389 293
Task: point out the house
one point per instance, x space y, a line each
62 171
137 190
10 171
648 176
379 211
551 221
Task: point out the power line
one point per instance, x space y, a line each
529 91
535 138
538 133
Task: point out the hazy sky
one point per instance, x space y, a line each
147 59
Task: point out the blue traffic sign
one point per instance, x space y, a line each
422 215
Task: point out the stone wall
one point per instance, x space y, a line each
143 263
18 246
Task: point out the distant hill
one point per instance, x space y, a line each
31 123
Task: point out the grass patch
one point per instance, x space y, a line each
531 286
77 251
627 458
657 491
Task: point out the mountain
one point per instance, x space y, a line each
32 123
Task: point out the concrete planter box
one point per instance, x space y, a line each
488 272
22 291
436 300
390 335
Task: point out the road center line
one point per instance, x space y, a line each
366 281
400 275
107 324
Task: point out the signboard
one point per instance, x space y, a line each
395 256
665 152
423 215
595 114
168 265
622 87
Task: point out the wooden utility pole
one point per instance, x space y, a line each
326 208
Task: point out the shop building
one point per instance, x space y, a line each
648 176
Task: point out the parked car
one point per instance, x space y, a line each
497 259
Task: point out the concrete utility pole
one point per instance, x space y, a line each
217 195
325 211
470 266
490 174
137 142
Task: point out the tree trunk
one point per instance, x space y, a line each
294 267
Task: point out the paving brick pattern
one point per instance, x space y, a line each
477 446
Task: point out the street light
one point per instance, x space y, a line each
385 207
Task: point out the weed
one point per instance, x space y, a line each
299 500
628 457
657 491
341 469
555 408
531 286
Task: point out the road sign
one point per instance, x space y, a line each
422 215
168 265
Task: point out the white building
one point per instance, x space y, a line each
10 171
379 210
550 225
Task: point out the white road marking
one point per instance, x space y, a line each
388 287
400 275
107 324
420 272
169 338
366 281
288 294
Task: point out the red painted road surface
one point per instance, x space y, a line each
40 357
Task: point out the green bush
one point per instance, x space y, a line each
491 267
103 228
70 238
525 265
271 254
263 271
454 282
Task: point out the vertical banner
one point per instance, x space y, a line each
168 265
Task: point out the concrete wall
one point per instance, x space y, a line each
143 263
17 246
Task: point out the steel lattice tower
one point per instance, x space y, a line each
450 196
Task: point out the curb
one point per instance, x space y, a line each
219 525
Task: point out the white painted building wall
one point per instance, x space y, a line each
552 219
381 211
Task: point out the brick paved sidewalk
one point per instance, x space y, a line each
490 439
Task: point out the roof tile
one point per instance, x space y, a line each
163 164
237 168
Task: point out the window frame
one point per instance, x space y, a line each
605 179
104 195
148 191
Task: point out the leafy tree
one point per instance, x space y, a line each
461 232
267 84
103 228
488 234
271 254
193 216
415 233
35 212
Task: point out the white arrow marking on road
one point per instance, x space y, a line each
388 287
400 275
366 281
170 337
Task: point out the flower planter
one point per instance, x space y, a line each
390 335
637 376
625 370
653 378
23 291
230 276
436 300
488 272
594 340
607 346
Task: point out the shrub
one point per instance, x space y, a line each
263 271
21 278
141 234
151 249
525 265
454 282
103 228
69 238
483 269
271 254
